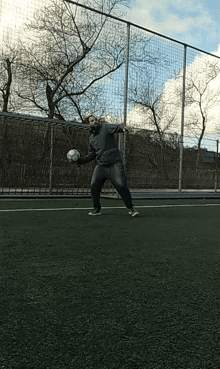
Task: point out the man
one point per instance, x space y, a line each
103 146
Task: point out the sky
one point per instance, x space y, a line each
13 14
194 22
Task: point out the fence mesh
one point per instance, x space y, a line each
74 60
34 157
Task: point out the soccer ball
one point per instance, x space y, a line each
73 155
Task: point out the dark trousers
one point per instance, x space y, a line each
116 175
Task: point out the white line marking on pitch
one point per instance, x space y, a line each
110 207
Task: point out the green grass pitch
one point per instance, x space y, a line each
110 292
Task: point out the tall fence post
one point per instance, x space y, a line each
122 137
216 166
51 159
182 120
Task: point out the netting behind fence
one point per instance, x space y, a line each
152 102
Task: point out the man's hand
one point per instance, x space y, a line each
125 129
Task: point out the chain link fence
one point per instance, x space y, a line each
165 91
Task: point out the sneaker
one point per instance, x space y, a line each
95 212
133 212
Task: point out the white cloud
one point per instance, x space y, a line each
199 77
14 14
185 20
217 52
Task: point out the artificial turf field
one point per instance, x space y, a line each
111 291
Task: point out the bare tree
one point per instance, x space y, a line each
154 108
67 53
200 96
8 60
